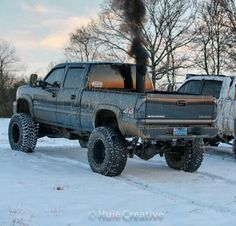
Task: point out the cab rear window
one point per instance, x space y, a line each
202 87
212 88
117 76
191 87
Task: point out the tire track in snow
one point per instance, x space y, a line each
139 183
213 176
221 153
84 164
67 161
173 197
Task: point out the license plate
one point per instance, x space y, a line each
180 131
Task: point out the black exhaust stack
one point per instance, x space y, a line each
134 13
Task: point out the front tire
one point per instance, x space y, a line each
188 158
107 152
22 133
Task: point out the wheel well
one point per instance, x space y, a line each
106 118
23 106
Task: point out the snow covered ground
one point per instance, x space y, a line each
54 186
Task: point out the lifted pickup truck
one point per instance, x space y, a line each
98 104
224 89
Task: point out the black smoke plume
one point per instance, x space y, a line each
134 14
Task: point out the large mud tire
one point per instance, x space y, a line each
187 158
107 151
22 133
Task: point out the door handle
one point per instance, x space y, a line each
72 97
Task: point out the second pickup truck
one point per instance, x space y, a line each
98 104
223 88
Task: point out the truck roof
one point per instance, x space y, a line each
188 76
74 64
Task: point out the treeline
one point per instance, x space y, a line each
180 35
9 81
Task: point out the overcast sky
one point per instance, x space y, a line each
39 29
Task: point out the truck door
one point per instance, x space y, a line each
226 116
45 100
69 97
228 111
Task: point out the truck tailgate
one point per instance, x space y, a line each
180 109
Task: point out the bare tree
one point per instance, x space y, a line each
8 64
213 37
174 26
230 9
166 33
9 68
83 45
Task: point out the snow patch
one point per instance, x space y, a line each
55 186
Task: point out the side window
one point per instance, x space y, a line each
191 87
115 76
212 88
104 76
183 88
73 78
56 75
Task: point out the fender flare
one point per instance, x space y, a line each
115 110
29 101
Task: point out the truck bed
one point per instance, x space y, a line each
138 112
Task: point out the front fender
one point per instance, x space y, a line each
29 101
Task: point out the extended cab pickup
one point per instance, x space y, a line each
97 103
223 88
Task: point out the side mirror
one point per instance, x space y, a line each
33 80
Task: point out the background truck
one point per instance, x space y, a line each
99 104
224 89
